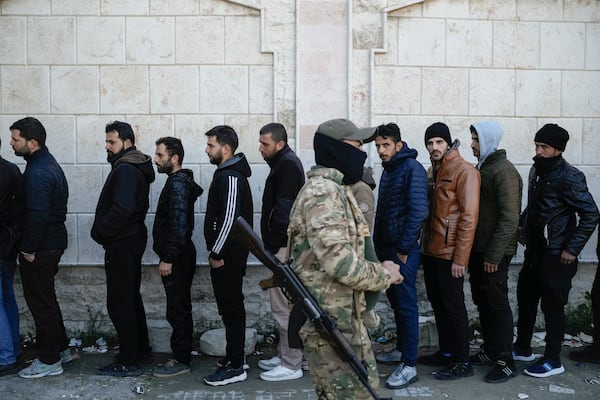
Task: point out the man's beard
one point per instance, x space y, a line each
22 152
165 169
216 159
112 157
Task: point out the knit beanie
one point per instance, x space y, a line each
439 129
553 135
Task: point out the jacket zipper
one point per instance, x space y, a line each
447 228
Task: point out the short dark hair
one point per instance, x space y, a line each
389 131
225 135
123 129
173 146
30 128
277 131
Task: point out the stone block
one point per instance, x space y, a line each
260 91
580 94
516 44
79 7
562 45
89 139
173 7
27 7
74 90
109 50
446 9
190 129
444 91
69 257
148 128
217 7
243 41
534 10
494 9
469 43
124 7
581 10
213 342
518 139
50 40
491 92
592 46
88 181
12 40
25 90
390 56
60 137
591 127
397 90
421 41
124 89
150 40
538 93
200 40
174 89
224 89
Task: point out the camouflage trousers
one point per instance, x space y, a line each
334 378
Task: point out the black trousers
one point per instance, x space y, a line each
543 278
123 265
37 278
227 286
447 299
179 303
596 309
490 295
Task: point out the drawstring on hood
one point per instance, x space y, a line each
489 134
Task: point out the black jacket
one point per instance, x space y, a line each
174 220
46 193
554 203
10 208
281 187
123 202
229 196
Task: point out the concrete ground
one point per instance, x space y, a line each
80 381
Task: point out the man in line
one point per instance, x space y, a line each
229 197
560 217
495 245
10 181
172 234
447 239
119 227
327 237
281 187
43 241
402 208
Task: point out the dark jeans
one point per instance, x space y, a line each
596 308
447 299
543 278
179 303
227 286
490 295
123 265
403 299
37 278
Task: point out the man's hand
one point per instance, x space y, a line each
458 271
567 258
29 257
215 263
402 257
394 270
165 269
489 267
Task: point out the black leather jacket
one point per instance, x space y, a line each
554 203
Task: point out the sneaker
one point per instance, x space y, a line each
281 373
437 359
223 361
226 375
269 364
403 376
501 372
120 370
38 369
544 368
520 354
8 369
455 371
66 356
588 354
481 358
171 368
389 357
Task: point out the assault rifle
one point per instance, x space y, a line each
298 294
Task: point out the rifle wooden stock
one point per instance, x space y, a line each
299 294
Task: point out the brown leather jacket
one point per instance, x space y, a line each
454 208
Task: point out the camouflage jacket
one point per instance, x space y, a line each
327 234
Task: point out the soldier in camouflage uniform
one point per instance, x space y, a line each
327 233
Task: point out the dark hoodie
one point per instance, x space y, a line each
229 196
123 202
174 220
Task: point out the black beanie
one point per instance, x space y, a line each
439 129
553 135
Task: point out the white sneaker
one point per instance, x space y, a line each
269 364
281 373
38 369
403 376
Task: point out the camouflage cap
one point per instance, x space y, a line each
341 129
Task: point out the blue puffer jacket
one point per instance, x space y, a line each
402 207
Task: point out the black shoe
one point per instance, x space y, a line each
120 370
588 355
8 369
456 371
221 362
226 375
437 359
501 372
481 358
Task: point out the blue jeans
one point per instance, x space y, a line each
403 299
9 314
